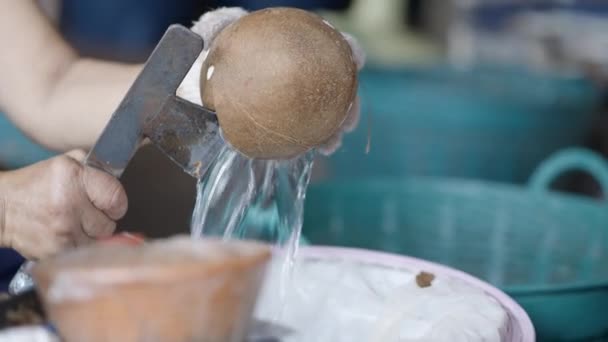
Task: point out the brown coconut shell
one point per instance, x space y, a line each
281 81
171 290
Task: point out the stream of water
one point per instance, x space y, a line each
242 198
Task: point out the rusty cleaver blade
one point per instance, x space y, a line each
187 133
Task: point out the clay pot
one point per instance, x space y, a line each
171 290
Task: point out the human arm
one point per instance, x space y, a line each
56 97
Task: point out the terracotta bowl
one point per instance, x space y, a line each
167 290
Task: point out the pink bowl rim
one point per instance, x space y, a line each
528 333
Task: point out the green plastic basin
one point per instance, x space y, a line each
548 250
485 123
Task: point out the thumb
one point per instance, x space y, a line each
105 192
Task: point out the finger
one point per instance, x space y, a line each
95 224
78 155
331 145
349 124
358 52
354 112
352 119
105 192
211 23
208 26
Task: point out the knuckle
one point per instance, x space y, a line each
78 154
64 173
63 166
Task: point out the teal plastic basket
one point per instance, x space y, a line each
548 250
485 123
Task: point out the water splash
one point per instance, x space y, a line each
242 198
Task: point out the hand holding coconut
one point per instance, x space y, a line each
282 81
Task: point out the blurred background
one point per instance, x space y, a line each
465 105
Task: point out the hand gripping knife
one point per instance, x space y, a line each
187 133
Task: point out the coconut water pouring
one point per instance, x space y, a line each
272 115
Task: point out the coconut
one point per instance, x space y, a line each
281 81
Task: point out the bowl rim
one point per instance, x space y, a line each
527 332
